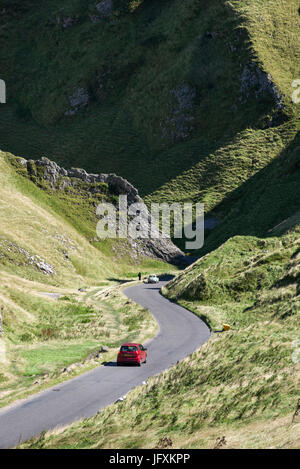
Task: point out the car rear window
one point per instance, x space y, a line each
128 348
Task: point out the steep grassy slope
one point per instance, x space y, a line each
197 104
248 273
243 384
190 101
51 335
46 250
60 227
266 199
179 96
29 222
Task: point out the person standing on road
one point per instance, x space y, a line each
140 276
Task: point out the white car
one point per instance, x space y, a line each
152 279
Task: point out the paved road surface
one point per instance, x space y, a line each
53 296
180 333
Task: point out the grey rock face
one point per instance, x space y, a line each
104 349
157 246
79 99
256 81
66 21
95 19
27 258
105 8
178 125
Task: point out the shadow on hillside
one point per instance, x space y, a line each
90 140
262 202
118 280
166 277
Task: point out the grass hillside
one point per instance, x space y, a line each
181 101
59 226
47 254
197 105
241 389
189 101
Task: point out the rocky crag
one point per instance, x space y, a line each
50 175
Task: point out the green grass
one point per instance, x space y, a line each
238 143
131 87
237 152
59 227
249 279
68 319
59 223
43 336
242 384
44 359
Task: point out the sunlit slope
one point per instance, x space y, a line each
30 228
241 389
53 311
188 93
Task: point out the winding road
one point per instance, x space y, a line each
180 333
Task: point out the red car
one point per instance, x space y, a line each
132 353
